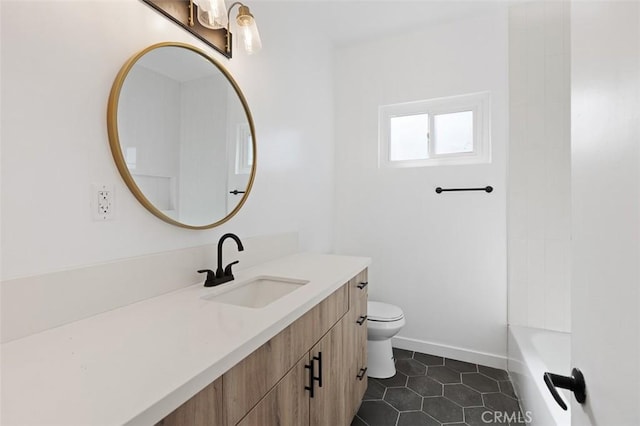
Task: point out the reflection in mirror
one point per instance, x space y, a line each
185 136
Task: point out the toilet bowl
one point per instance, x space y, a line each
383 322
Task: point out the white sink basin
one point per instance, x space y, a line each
257 292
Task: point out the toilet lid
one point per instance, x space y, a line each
378 311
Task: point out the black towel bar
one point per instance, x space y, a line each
441 190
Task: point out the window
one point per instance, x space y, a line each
244 149
442 131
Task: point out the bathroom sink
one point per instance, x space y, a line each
257 292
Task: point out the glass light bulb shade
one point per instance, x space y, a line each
248 29
204 4
212 14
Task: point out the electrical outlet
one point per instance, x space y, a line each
102 202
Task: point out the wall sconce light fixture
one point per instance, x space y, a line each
247 28
210 21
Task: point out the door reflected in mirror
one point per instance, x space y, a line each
182 135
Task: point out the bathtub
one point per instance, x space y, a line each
532 352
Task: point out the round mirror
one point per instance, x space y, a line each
182 135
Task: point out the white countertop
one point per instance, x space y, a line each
135 364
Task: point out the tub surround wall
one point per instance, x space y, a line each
196 147
441 258
539 199
55 79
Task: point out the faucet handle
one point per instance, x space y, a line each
211 276
227 269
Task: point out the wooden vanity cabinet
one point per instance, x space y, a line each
205 408
329 402
291 403
286 403
272 385
356 342
252 378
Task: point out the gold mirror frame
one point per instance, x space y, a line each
114 139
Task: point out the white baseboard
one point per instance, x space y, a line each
461 354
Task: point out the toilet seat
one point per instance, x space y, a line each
383 312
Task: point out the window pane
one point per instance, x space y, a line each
453 132
409 137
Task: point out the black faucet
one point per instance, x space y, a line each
226 275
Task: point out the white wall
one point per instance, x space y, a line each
539 201
605 178
59 60
441 258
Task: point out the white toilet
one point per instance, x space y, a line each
383 322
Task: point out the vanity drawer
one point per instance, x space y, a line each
251 379
358 287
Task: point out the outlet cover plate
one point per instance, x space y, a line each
102 202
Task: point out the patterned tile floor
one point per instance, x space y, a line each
434 391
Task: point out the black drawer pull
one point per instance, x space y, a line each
362 285
319 377
362 319
310 387
362 373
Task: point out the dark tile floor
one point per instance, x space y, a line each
434 391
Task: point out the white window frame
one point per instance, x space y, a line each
244 160
478 103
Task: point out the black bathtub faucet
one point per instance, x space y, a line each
222 275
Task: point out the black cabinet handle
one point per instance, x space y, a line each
319 377
362 319
362 285
574 383
236 192
310 387
360 375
